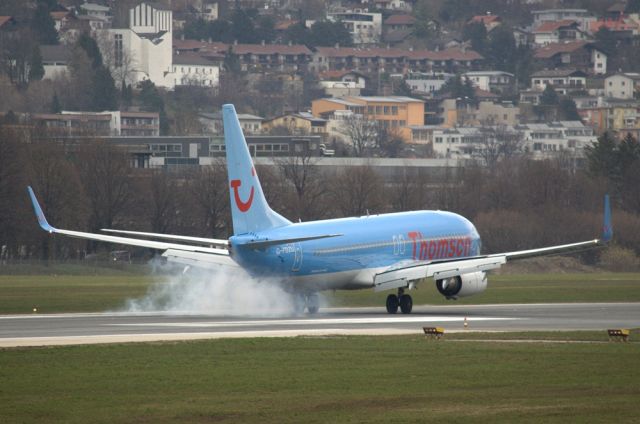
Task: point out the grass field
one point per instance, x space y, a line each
331 379
77 289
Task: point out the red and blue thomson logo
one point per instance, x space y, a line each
235 185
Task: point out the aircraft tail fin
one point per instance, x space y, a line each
249 208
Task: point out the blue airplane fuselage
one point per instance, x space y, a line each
365 243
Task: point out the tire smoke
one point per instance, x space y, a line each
225 292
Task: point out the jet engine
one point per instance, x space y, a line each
462 285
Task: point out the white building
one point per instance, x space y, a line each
427 82
364 27
562 80
143 50
492 81
97 10
193 69
539 141
622 86
582 16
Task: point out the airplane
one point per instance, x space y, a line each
393 251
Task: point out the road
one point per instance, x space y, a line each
62 329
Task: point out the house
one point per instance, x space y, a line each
55 60
399 22
404 5
394 60
389 111
622 86
489 21
580 55
621 26
109 123
558 32
564 81
426 82
193 69
212 122
303 123
96 10
497 82
143 48
61 19
364 27
582 16
342 83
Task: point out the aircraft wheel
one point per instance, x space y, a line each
299 303
406 304
313 304
392 304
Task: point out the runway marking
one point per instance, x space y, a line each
320 321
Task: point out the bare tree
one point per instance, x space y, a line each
498 142
301 171
208 189
357 191
360 131
388 139
121 62
104 169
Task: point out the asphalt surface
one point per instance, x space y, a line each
61 329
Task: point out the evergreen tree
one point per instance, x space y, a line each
44 26
501 49
606 40
55 104
231 62
104 90
126 94
423 12
549 96
603 157
328 34
90 46
567 110
475 32
36 69
633 6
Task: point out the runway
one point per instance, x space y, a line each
63 329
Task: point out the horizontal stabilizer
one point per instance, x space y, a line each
262 244
203 240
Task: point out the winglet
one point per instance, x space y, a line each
607 228
39 214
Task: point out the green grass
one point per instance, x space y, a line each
107 289
334 379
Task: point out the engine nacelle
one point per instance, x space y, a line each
462 285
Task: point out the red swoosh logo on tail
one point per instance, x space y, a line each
243 206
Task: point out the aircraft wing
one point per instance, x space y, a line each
208 241
182 253
401 274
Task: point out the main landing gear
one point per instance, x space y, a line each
310 302
403 300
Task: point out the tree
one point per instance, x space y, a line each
602 156
633 6
424 26
104 169
360 131
152 101
243 27
549 96
55 104
105 94
501 49
43 25
606 41
36 69
567 110
475 32
90 46
209 190
357 191
388 140
454 10
300 170
497 143
329 34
